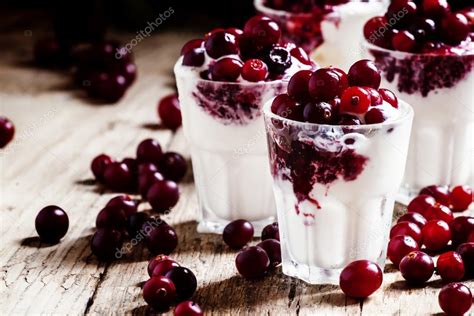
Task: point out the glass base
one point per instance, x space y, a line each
217 227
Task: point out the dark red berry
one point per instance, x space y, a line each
318 112
159 293
163 195
298 85
436 235
106 244
271 231
407 229
415 218
132 165
466 251
162 239
147 167
399 247
450 267
188 308
149 150
226 69
173 166
403 41
286 107
349 120
154 261
111 217
254 70
359 279
375 97
118 177
461 197
273 250
417 267
439 211
440 193
98 166
7 131
455 299
51 224
422 204
162 267
146 181
435 8
327 83
389 97
184 281
195 57
364 73
233 30
301 55
221 43
263 30
252 262
191 44
355 100
238 233
135 223
108 87
374 116
377 31
169 111
461 227
124 202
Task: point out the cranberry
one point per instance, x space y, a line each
364 73
173 166
389 97
436 235
417 267
105 243
146 167
439 211
440 193
160 293
135 223
450 266
403 41
249 47
51 224
124 202
406 229
415 218
355 100
131 164
422 204
403 12
233 30
7 131
98 166
455 299
423 29
169 111
154 261
163 195
195 57
188 308
374 116
372 31
252 262
111 217
461 197
298 85
399 247
273 250
118 177
375 97
221 43
184 281
466 251
327 83
264 30
349 120
194 43
271 231
318 112
149 150
361 278
301 55
461 227
162 239
278 59
226 69
254 70
284 106
162 267
146 180
238 233
435 8
108 87
470 238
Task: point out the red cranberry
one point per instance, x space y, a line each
106 243
298 85
194 43
364 73
455 299
154 261
461 227
252 262
284 106
439 211
162 239
221 43
389 97
470 238
169 111
372 31
184 281
233 30
301 55
131 164
7 131
226 69
435 8
160 293
173 166
51 224
146 167
403 11
406 229
135 223
414 218
349 120
359 279
375 97
466 251
254 70
149 150
163 195
273 250
399 247
417 267
422 204
98 166
108 87
374 116
436 235
238 233
318 113
264 30
118 177
111 217
327 83
124 202
146 181
195 57
188 308
162 267
450 266
461 197
423 29
271 231
403 41
440 193
355 100
278 59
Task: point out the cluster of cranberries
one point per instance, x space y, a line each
169 111
152 173
421 25
330 96
253 262
104 69
302 6
169 284
252 54
7 131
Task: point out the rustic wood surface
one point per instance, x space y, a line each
58 133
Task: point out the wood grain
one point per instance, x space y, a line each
58 133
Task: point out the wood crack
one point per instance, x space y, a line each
90 301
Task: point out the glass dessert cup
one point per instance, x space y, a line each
440 89
329 36
335 189
223 124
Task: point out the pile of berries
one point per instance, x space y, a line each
253 262
7 131
302 6
330 96
422 26
252 54
169 284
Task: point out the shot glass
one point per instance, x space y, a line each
440 89
223 124
335 188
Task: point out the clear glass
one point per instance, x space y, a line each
334 189
440 89
223 124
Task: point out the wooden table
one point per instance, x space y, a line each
58 133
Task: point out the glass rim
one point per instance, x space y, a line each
400 54
407 114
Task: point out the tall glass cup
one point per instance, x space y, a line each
335 188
